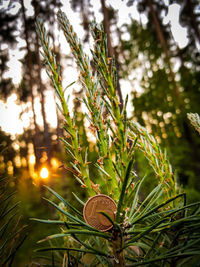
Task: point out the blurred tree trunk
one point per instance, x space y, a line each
59 129
193 18
180 101
24 149
111 50
36 140
106 24
8 39
164 45
47 137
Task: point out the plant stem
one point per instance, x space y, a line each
119 257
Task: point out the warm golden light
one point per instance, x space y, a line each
32 159
44 173
55 163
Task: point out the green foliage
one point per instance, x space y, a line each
12 233
168 90
159 228
29 196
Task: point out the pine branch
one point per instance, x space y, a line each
194 120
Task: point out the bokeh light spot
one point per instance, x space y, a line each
44 173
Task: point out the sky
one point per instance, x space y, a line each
10 120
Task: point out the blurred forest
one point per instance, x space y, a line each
165 86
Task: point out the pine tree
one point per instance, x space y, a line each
141 231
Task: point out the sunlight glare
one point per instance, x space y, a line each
55 163
32 159
44 173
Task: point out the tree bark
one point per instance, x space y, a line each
47 138
59 129
193 20
164 45
36 142
111 51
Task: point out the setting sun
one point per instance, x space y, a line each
44 173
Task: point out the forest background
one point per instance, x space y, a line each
157 68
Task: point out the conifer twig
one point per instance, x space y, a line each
156 158
55 76
194 120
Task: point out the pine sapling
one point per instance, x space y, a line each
140 232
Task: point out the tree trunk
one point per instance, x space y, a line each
36 142
47 138
111 51
193 20
59 129
164 45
